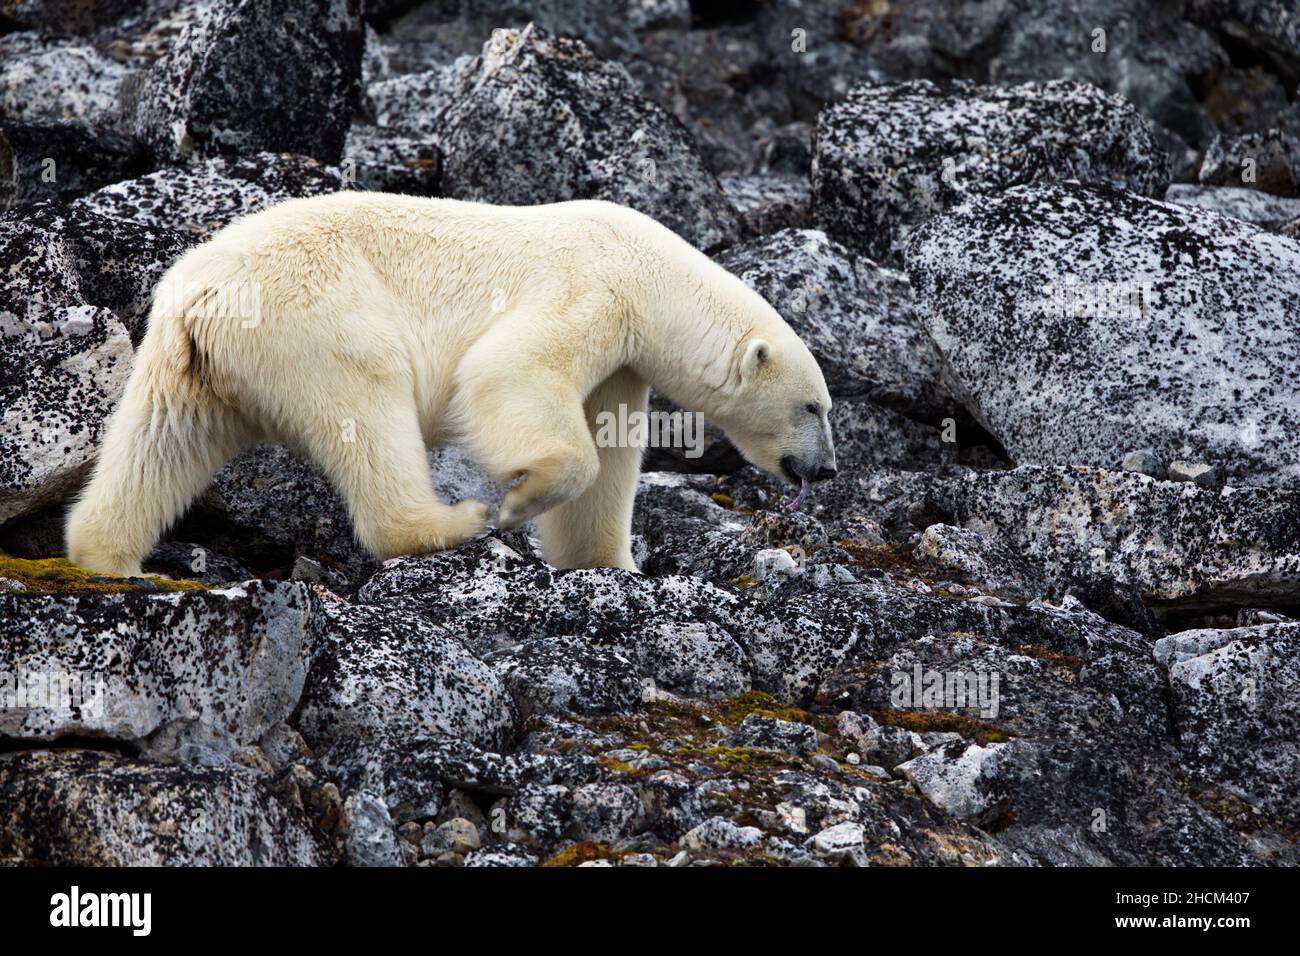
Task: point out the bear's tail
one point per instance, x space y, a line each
164 442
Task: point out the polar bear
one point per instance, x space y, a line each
359 328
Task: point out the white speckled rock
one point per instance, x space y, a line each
87 808
541 117
233 659
1249 205
889 157
204 197
248 77
377 672
1234 707
956 782
43 77
73 289
1079 323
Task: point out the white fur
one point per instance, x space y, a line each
360 327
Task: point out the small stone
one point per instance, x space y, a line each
773 563
457 835
842 842
1207 476
1145 462
717 833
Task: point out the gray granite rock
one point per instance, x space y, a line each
1249 205
1077 321
542 117
245 78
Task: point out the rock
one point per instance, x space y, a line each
1145 462
371 840
1268 161
971 558
60 159
770 733
857 318
501 856
1133 345
389 160
234 660
206 196
1233 713
956 783
563 124
718 833
868 435
51 78
415 101
379 674
1207 476
887 158
456 835
769 203
554 676
841 843
76 288
85 808
245 78
605 812
1249 205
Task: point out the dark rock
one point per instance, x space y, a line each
1249 205
245 78
562 124
389 160
1267 161
59 159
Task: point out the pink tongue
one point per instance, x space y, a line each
803 493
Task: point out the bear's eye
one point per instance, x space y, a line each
812 408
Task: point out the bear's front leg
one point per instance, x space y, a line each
547 482
594 530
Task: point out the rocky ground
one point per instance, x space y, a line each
1049 613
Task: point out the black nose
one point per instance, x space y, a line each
824 473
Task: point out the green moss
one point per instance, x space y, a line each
894 560
921 721
583 853
735 709
59 575
723 499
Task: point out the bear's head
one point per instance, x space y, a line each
776 410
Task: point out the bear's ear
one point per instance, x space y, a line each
757 354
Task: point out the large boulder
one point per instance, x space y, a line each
1233 694
87 808
251 76
58 78
889 157
1080 324
203 197
73 293
540 119
225 665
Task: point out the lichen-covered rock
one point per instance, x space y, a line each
370 839
378 673
557 676
758 732
391 160
205 196
86 808
541 117
124 666
58 78
971 558
1268 161
1249 205
247 77
72 293
415 101
1234 709
857 318
768 203
887 158
1079 321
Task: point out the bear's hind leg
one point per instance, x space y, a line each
594 530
